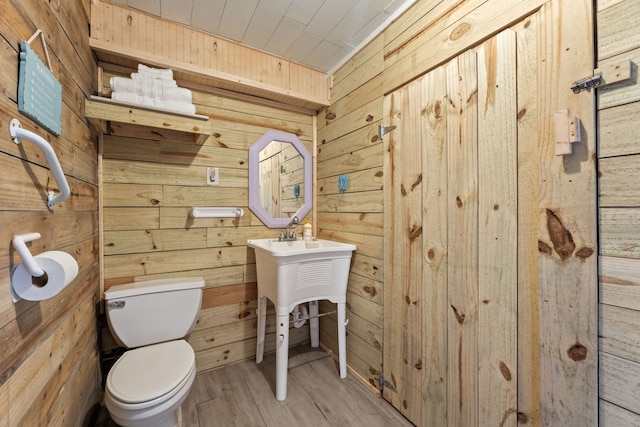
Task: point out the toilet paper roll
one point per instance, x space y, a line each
60 269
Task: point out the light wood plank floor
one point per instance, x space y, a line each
243 394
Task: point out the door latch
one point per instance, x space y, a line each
606 74
588 82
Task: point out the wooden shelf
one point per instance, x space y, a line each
100 110
123 36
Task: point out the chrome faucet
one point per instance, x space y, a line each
287 236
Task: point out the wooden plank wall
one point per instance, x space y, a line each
430 34
150 187
460 243
292 175
282 167
348 144
49 368
619 160
269 165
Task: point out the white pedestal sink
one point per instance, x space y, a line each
295 272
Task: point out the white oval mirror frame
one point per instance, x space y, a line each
254 176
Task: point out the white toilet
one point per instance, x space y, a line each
147 385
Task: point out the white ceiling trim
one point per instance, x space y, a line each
372 35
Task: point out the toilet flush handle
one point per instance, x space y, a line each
116 304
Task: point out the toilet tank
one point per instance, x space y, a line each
153 311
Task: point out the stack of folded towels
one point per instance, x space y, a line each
152 87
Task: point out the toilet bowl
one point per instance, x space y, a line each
147 384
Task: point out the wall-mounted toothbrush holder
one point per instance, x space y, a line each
17 133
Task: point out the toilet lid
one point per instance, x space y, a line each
146 373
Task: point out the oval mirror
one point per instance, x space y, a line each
279 178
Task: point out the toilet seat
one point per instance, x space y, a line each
144 376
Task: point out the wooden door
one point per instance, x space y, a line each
490 273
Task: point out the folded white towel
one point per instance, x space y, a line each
131 98
123 84
146 88
150 88
162 82
177 94
147 100
169 105
157 73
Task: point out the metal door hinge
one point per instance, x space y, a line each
385 384
567 131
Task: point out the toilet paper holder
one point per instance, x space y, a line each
30 280
19 243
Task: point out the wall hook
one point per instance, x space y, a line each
343 183
382 130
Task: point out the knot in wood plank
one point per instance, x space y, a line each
560 237
543 248
415 232
437 110
584 253
460 31
417 182
577 352
505 371
459 316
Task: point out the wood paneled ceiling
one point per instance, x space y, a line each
322 34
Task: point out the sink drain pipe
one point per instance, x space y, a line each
297 321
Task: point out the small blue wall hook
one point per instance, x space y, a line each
343 183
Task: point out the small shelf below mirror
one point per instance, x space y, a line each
99 110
